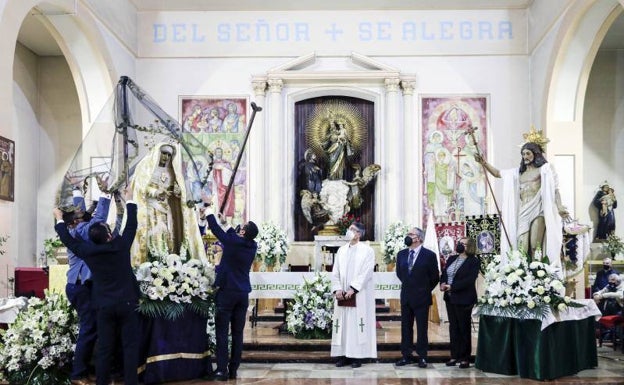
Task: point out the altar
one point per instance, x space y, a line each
286 284
560 345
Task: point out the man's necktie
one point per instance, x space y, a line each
410 260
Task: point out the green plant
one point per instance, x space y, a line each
614 244
50 245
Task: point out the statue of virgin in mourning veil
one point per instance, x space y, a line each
166 225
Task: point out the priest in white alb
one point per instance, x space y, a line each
354 328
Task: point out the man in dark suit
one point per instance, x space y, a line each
233 287
417 270
115 290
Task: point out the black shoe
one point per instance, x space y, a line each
452 362
404 361
220 376
343 362
464 365
422 363
232 375
356 363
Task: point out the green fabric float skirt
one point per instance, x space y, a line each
513 346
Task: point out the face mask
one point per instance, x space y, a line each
349 235
460 248
408 241
612 286
606 267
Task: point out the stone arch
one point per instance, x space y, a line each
74 29
580 35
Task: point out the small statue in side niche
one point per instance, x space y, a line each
605 202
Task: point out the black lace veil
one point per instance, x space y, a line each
133 123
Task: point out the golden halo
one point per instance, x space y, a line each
321 120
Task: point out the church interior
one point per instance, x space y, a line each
307 116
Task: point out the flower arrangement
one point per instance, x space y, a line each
394 241
39 346
522 289
310 316
171 284
345 221
272 244
614 245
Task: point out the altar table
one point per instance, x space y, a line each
174 350
513 346
286 284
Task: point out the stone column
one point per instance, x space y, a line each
276 153
412 149
257 158
392 191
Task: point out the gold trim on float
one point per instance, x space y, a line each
172 356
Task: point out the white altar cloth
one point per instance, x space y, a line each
285 284
590 309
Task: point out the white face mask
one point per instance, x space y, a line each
349 235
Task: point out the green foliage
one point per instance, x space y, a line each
614 244
50 245
172 310
314 334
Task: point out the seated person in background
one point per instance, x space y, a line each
610 298
602 277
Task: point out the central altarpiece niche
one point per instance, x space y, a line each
335 169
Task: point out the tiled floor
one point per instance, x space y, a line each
610 368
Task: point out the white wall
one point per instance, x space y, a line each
48 126
603 123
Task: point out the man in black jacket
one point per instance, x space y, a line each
417 269
115 289
233 287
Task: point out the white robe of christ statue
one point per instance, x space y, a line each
354 328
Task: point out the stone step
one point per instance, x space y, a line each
322 356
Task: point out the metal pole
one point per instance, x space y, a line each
255 109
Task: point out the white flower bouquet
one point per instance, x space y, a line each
394 241
39 346
310 316
272 244
170 284
519 289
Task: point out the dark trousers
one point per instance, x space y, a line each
408 314
79 295
123 317
231 311
460 321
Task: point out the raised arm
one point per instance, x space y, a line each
491 169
